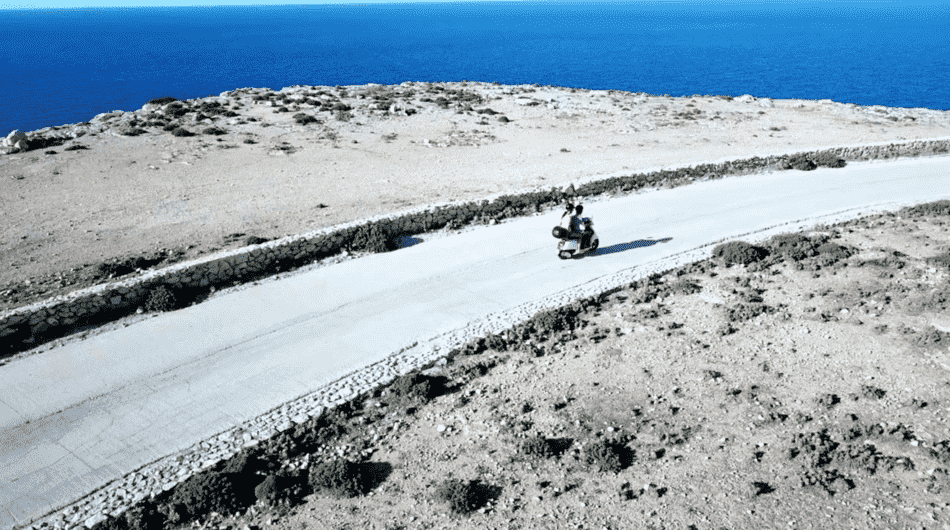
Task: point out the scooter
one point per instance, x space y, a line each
567 248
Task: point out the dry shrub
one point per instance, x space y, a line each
212 491
338 477
144 516
603 456
280 488
738 252
536 447
462 496
160 299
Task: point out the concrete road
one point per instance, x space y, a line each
80 415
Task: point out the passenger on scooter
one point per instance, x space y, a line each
577 227
567 216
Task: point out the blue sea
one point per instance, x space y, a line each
62 66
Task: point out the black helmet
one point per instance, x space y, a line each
579 209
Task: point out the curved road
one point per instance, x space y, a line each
78 416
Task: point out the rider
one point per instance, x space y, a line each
579 228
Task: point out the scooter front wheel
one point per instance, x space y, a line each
564 254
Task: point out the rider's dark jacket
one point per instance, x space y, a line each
577 226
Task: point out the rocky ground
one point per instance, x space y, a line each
808 389
179 179
801 392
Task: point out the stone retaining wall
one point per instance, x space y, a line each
26 327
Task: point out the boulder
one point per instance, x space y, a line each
942 323
22 145
13 138
766 102
745 98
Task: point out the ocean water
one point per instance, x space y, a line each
66 66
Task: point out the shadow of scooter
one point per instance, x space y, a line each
621 247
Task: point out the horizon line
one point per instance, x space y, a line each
706 3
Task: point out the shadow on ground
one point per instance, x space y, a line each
407 241
621 247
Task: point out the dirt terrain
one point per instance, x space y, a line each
127 193
808 389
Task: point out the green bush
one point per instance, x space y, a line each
75 147
135 131
170 127
338 477
160 299
738 252
182 132
217 131
211 491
